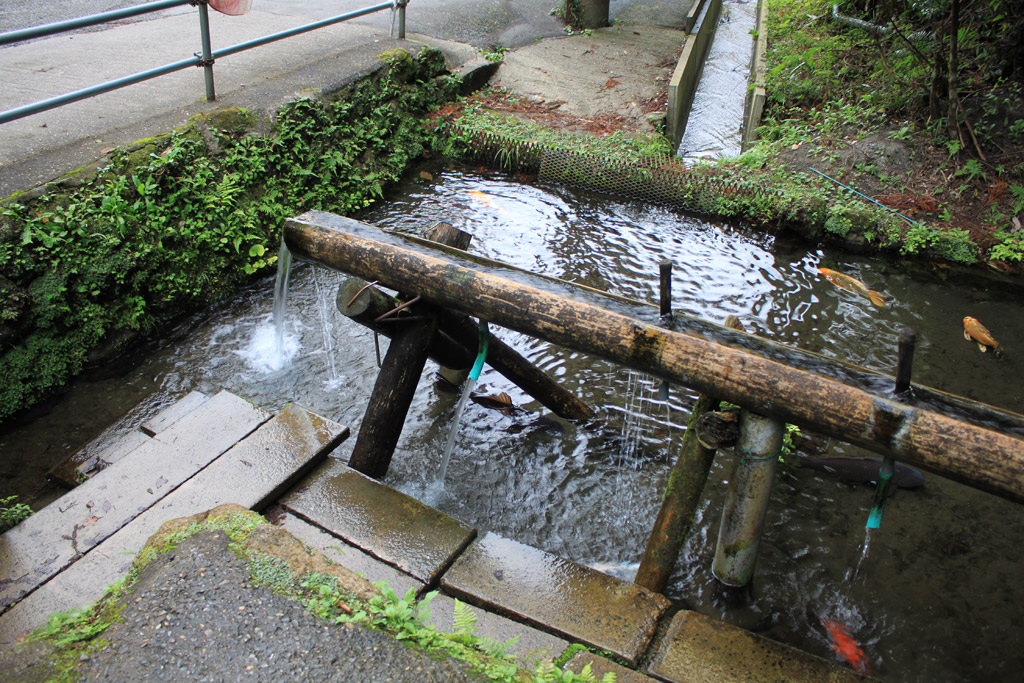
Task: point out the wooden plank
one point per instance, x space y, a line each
252 473
50 540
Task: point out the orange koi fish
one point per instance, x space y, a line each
853 285
979 334
485 199
845 646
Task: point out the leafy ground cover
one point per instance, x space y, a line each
874 94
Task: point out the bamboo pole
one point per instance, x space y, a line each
565 315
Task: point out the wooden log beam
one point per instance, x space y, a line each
570 316
455 346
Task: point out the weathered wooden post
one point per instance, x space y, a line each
904 365
392 394
746 503
681 498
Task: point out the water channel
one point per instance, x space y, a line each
936 597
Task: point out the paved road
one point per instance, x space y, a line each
508 23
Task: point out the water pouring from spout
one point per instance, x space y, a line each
474 375
284 267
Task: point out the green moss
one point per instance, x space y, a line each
175 223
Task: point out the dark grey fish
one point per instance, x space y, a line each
864 470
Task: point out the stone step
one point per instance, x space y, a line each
252 473
697 647
51 539
385 523
111 446
577 602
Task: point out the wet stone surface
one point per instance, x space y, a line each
697 647
256 470
386 523
194 615
346 555
57 535
531 585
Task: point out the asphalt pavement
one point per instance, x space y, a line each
38 148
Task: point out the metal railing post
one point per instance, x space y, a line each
401 18
206 58
746 503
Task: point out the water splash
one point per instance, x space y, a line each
284 269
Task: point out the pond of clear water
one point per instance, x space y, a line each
936 596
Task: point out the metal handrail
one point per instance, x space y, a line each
205 58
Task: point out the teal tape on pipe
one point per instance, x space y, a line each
478 364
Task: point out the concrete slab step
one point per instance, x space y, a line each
599 666
347 555
576 601
253 473
385 523
53 538
697 647
174 412
112 445
531 646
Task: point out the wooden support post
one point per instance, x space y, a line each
455 346
665 287
904 364
746 503
905 360
392 394
682 496
678 505
811 391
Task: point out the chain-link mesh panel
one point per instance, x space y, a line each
656 177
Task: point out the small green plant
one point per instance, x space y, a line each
11 513
972 170
1017 191
495 54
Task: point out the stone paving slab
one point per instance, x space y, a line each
599 666
699 648
174 412
386 523
50 540
348 556
252 474
581 603
532 646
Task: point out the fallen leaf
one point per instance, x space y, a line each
611 83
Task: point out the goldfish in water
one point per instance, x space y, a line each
979 334
485 199
845 646
854 285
